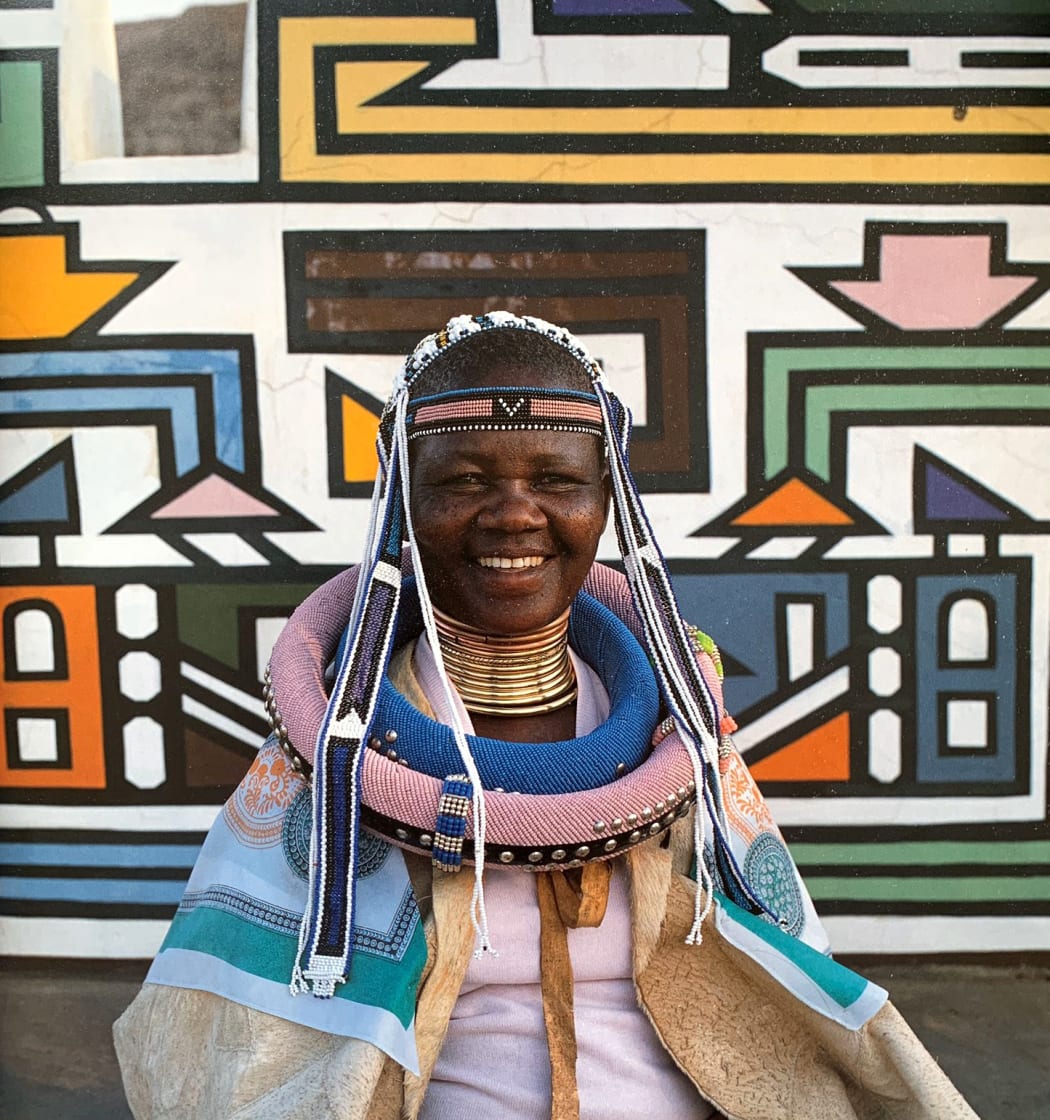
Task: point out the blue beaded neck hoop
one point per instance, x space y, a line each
327 931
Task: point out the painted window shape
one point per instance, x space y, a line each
37 739
967 626
34 642
801 631
970 687
967 723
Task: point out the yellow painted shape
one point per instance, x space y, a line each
360 428
357 83
917 169
297 39
39 298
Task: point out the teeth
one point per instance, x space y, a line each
510 562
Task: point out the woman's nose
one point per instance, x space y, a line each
511 509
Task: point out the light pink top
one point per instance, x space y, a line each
494 1062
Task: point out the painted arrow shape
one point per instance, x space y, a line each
41 296
935 282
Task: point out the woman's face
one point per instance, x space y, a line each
507 523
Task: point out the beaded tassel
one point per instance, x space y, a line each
451 827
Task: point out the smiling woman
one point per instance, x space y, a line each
511 704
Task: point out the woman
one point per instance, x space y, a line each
550 716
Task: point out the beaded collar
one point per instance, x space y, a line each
578 812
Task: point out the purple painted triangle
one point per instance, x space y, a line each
948 499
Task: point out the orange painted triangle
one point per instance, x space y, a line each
793 503
360 428
821 755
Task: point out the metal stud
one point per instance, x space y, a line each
600 826
401 834
610 845
506 857
402 762
616 824
558 855
582 852
646 813
535 857
392 755
374 743
621 769
425 840
634 837
691 787
658 808
682 791
654 828
391 736
632 818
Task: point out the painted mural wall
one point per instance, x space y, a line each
810 240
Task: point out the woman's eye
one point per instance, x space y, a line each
465 481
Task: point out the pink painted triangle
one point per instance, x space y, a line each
214 496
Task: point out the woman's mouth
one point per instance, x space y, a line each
511 561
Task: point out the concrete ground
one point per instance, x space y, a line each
987 1024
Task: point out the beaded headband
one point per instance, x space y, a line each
504 409
327 931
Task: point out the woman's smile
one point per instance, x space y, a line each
505 562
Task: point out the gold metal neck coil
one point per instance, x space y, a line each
524 675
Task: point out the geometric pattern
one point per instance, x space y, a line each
821 282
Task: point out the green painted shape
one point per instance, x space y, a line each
926 7
842 984
21 124
780 364
920 853
963 888
822 401
262 952
207 613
